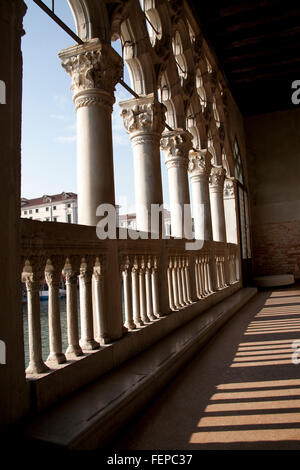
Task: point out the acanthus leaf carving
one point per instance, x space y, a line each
200 163
176 145
217 177
143 115
94 65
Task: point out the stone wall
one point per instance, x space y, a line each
273 150
13 388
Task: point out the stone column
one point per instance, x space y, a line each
142 291
231 210
144 120
53 277
100 315
216 185
149 295
71 277
176 145
137 320
95 69
199 169
155 291
87 341
33 283
126 273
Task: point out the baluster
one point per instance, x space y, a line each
142 290
223 277
155 295
99 316
198 274
175 283
149 302
129 323
210 289
188 280
231 270
179 282
170 285
136 294
32 281
183 281
206 287
53 277
217 272
202 277
71 272
87 341
236 267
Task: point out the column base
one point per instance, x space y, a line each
74 351
146 320
159 315
89 344
56 358
152 317
37 368
103 339
130 326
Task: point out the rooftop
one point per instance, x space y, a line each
64 196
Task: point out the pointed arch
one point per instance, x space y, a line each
91 19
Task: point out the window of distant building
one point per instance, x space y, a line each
30 212
69 218
47 208
69 205
36 210
54 219
54 208
25 212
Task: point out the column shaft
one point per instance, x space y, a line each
199 169
95 69
144 121
217 204
176 145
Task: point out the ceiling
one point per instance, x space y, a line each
258 46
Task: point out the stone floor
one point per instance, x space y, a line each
241 392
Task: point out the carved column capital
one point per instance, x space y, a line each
33 271
143 116
86 269
200 164
95 68
216 180
229 188
176 145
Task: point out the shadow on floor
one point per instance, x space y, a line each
242 391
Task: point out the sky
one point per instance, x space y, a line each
49 117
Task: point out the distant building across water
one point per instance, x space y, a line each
55 208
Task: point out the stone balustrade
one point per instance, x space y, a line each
113 287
